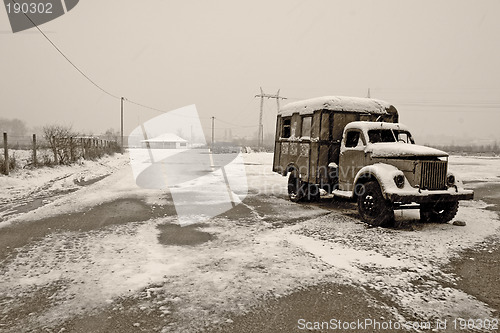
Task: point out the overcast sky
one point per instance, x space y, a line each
438 62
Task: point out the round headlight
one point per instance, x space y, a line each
451 180
399 180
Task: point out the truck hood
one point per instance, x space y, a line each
399 149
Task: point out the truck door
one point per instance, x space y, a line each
352 158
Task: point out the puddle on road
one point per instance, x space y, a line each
174 234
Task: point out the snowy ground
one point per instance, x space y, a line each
476 168
29 188
264 248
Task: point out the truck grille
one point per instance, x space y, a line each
433 175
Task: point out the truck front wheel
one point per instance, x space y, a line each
441 212
372 206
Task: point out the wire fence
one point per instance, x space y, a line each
23 142
35 151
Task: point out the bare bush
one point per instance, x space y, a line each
12 163
44 158
62 143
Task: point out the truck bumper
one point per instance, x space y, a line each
431 196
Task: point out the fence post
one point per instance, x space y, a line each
82 143
71 150
6 153
34 151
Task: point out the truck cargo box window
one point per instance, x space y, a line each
306 127
286 128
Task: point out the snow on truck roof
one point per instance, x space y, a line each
371 125
336 103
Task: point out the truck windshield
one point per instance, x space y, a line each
387 135
381 135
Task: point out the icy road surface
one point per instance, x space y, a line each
84 249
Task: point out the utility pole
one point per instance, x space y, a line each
213 119
121 123
261 126
368 95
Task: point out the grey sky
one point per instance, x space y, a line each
436 61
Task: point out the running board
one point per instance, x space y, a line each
342 194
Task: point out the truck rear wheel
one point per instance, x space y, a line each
441 212
373 207
313 192
295 187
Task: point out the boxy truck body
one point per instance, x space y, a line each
309 133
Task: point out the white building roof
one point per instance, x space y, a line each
167 137
336 103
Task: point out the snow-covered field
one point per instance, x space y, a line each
476 168
249 258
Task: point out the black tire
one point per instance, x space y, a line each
295 187
313 192
441 212
373 207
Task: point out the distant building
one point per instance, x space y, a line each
165 141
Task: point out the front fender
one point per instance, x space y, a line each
383 173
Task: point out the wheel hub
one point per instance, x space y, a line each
369 204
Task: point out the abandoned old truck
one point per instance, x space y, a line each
355 148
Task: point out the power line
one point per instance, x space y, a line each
120 97
87 77
221 128
162 111
242 108
67 59
462 105
262 95
144 106
236 126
